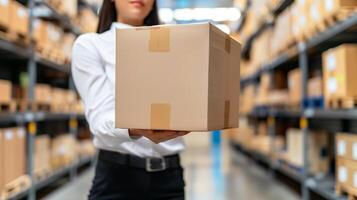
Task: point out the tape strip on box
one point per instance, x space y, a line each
159 39
160 116
227 108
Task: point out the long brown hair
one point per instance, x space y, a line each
108 15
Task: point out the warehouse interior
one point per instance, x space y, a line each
297 135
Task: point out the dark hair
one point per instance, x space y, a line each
108 15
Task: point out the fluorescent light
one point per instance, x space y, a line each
166 15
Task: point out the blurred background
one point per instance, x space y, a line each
297 137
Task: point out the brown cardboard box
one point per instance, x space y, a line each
187 78
9 141
42 152
63 150
346 173
1 160
4 13
43 93
315 16
19 18
6 91
318 143
331 7
346 146
339 72
20 151
294 84
40 33
314 87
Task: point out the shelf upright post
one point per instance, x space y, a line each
32 74
272 134
303 64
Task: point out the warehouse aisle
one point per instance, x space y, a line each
210 175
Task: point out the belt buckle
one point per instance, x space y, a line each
150 168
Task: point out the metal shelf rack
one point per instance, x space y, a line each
342 32
26 54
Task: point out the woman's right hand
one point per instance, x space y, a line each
157 136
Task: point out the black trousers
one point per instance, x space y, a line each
121 182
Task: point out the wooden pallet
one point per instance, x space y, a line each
344 189
8 106
341 103
42 173
16 186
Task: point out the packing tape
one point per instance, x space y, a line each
160 116
159 39
227 44
227 108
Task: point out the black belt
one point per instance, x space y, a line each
149 164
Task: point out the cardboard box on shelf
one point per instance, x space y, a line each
9 155
20 153
315 23
314 87
1 160
318 153
42 152
4 14
19 18
346 173
6 91
339 70
40 33
43 93
63 150
178 90
335 7
346 146
294 84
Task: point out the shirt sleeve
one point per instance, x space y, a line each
92 83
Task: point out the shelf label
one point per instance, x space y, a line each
73 123
9 135
354 151
331 61
32 128
341 148
303 123
271 121
342 174
332 85
4 2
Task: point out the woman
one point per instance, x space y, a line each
132 164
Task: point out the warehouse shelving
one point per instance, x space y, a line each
9 52
299 56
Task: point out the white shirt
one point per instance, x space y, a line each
93 70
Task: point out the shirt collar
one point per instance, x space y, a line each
116 25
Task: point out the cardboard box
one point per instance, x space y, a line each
43 93
346 146
187 78
19 18
9 155
1 160
331 7
42 152
6 91
20 151
63 150
314 87
339 71
294 84
318 153
40 33
346 173
4 13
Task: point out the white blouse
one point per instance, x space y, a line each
93 71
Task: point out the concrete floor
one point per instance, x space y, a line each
210 174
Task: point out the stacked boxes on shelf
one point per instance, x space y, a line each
64 150
346 163
42 153
87 20
339 71
282 37
294 85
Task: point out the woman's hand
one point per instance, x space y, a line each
157 136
